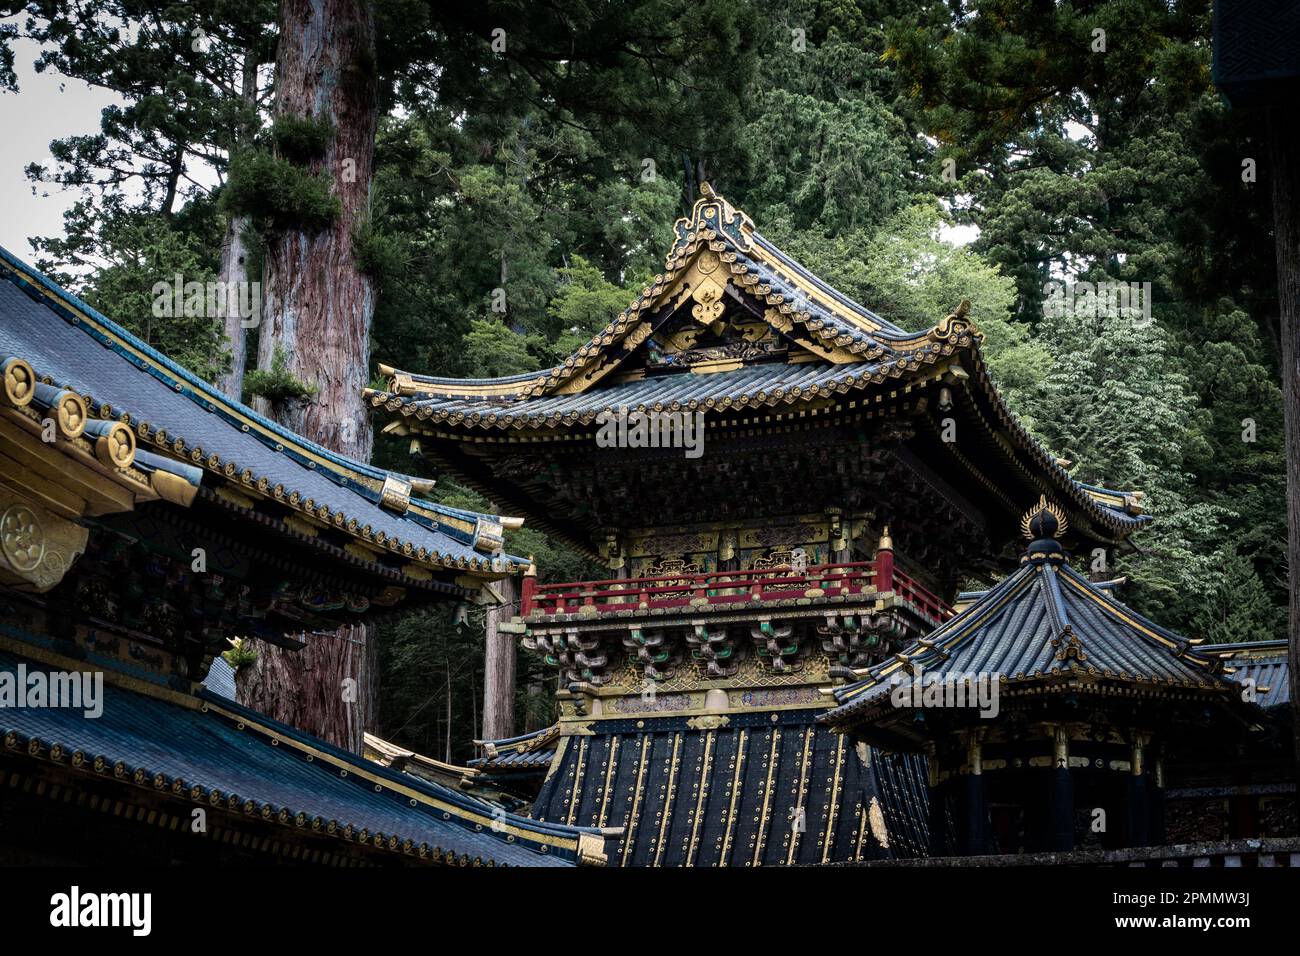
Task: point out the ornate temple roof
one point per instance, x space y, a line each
733 327
205 750
188 430
1263 663
1044 624
760 788
525 752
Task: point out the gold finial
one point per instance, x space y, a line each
707 191
886 542
1054 529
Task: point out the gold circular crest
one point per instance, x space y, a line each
22 539
72 415
20 382
117 448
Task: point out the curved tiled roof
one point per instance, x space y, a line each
760 385
1042 622
853 350
1264 663
684 795
70 344
529 751
209 751
825 315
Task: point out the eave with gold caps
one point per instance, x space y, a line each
797 355
102 386
1043 630
266 789
61 465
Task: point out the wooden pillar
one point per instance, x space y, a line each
937 809
528 589
1157 802
1243 819
975 806
1060 811
1284 172
1139 802
885 562
499 664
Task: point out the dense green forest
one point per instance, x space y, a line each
860 135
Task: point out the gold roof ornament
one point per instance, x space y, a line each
395 495
1054 528
19 382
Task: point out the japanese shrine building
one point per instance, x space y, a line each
851 476
145 520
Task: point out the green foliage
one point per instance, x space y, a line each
1234 605
119 256
278 193
299 139
277 385
380 255
240 654
491 349
174 104
583 304
831 166
1123 165
555 177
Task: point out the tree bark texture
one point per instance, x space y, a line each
317 310
321 689
499 667
1284 169
318 303
234 259
234 255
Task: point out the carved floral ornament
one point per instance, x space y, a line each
22 538
114 441
36 547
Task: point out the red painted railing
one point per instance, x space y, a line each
731 587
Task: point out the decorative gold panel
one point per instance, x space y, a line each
36 547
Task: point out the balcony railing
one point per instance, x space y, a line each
721 588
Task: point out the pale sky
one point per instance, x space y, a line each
47 106
50 105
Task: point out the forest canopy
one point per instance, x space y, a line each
912 153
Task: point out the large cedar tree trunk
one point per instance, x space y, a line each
499 668
234 256
1284 168
317 311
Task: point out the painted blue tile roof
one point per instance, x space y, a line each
75 346
531 751
680 390
220 679
209 749
1263 663
739 788
1025 628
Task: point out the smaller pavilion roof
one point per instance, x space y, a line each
1263 662
1044 622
